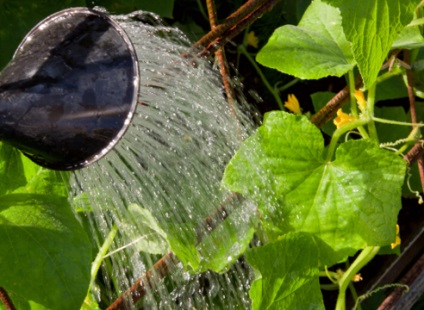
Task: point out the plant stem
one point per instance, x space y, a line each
354 295
353 105
388 121
370 109
101 254
413 109
201 9
364 257
287 85
222 61
271 89
389 74
5 300
339 132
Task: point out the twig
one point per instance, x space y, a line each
416 152
408 279
229 22
330 109
220 56
147 282
168 262
413 109
5 299
230 33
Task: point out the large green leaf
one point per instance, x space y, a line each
314 49
150 236
349 203
286 274
230 239
372 26
43 243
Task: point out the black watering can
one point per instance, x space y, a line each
70 91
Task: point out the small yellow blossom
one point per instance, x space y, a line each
362 103
292 104
252 39
357 278
397 241
343 119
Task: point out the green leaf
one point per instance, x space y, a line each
237 231
388 132
151 238
12 173
392 88
372 28
286 274
43 242
314 49
409 38
349 203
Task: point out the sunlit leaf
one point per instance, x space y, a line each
43 242
286 274
372 27
349 203
314 49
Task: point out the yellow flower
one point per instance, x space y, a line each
362 103
343 119
397 241
252 39
292 104
357 278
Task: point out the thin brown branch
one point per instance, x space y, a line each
168 262
221 59
234 30
336 103
415 153
413 109
245 10
408 279
5 299
147 282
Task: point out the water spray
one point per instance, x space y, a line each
70 91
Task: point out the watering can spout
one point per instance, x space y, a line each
70 91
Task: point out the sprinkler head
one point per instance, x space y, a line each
70 91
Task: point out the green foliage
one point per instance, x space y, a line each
289 282
344 197
152 237
372 27
356 195
45 255
317 204
314 49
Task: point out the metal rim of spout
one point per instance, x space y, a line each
95 142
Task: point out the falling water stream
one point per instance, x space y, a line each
167 169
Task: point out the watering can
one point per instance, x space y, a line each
70 91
